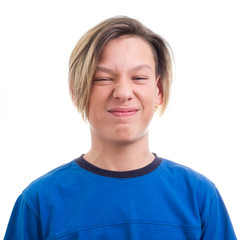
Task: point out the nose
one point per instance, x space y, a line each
123 91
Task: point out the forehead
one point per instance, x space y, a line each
127 48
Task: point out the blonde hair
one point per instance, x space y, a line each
85 56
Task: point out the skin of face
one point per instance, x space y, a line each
124 93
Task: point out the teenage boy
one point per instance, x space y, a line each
119 75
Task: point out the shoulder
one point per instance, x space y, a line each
183 172
191 179
49 182
190 186
198 195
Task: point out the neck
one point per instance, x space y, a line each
119 157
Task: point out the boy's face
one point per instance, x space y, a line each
124 92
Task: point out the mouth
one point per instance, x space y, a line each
123 112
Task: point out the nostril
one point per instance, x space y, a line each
123 97
123 92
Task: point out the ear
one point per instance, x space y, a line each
159 92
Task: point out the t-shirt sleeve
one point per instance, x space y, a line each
217 224
24 223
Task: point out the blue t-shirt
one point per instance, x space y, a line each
162 201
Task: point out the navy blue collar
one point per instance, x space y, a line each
119 174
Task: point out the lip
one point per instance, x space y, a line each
123 112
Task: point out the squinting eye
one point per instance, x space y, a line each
139 78
102 79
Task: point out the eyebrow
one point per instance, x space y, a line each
108 70
139 67
104 69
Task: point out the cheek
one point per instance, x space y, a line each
96 97
97 102
148 96
100 93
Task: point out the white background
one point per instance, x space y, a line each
40 129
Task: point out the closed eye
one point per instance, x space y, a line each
102 81
140 78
